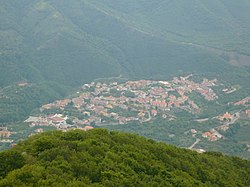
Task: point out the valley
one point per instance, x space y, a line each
124 93
187 111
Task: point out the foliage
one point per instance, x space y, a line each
10 160
79 41
16 102
59 45
108 158
71 43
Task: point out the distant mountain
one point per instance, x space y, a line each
216 23
103 158
78 41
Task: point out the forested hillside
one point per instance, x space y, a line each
16 102
108 158
74 42
216 23
78 41
50 48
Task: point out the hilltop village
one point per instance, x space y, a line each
116 104
99 104
113 103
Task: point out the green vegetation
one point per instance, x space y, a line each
75 42
56 46
71 43
108 158
214 23
16 102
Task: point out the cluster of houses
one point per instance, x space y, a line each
247 112
226 117
223 127
243 101
212 135
57 104
119 103
56 120
4 133
106 103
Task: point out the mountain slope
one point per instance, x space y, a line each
217 23
71 43
52 45
78 41
103 158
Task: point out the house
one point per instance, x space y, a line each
199 150
22 84
40 130
164 116
88 128
165 83
170 104
32 119
227 116
206 134
194 131
248 113
47 106
3 129
5 134
141 114
86 113
158 91
161 104
58 119
243 101
172 97
224 127
154 112
109 106
213 138
177 103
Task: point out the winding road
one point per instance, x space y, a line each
196 142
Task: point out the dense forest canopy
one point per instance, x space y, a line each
108 158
